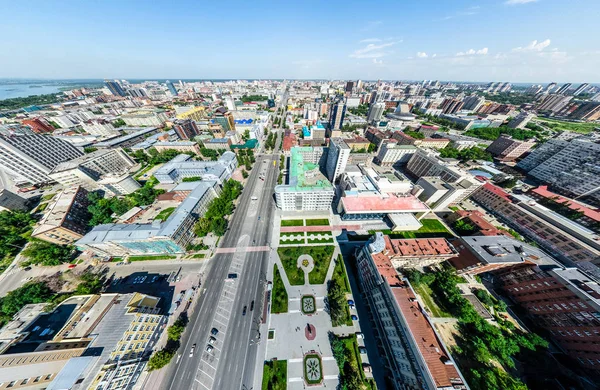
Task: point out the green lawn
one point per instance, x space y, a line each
164 214
425 293
569 126
432 228
289 258
292 222
454 208
321 255
280 296
116 259
320 240
159 257
284 242
275 375
198 256
339 274
281 235
47 197
317 222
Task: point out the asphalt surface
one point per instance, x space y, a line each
231 363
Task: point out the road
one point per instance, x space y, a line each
244 250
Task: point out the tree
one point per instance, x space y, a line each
14 226
244 174
90 283
174 331
119 123
160 359
372 148
32 292
46 254
463 227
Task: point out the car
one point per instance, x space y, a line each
350 302
27 269
359 335
351 307
252 306
214 331
72 266
362 350
244 310
259 217
154 279
211 340
209 348
367 367
354 317
192 350
232 276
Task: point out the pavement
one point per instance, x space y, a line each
244 251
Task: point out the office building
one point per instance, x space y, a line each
337 158
563 301
39 125
183 166
336 115
308 189
171 88
506 148
545 230
570 167
66 217
89 169
417 253
391 153
218 144
349 87
521 120
9 201
32 157
185 129
180 146
86 342
427 163
170 236
434 143
115 88
438 194
375 112
224 118
412 354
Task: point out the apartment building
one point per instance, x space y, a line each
183 166
413 354
337 158
11 201
507 149
185 129
561 244
565 302
86 342
418 252
308 188
33 157
65 219
170 236
427 163
570 167
193 114
521 120
92 170
99 127
391 153
434 143
542 153
39 125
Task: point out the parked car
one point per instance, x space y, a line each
214 331
350 302
72 266
367 367
209 348
27 269
359 335
362 350
211 340
354 317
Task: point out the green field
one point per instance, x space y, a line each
569 126
320 254
425 293
320 240
317 222
289 242
292 222
164 214
144 258
339 274
280 296
275 375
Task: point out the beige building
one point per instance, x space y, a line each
194 113
87 342
65 219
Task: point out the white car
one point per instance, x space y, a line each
192 350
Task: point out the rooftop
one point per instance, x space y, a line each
417 247
503 249
140 131
304 176
573 205
387 203
58 210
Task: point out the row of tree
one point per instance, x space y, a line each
492 133
214 218
474 153
246 157
15 227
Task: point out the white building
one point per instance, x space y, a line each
182 166
391 153
337 158
99 127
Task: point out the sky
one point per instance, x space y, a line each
528 41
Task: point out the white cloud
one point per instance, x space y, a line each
369 40
377 62
433 56
421 54
372 50
517 2
472 52
533 46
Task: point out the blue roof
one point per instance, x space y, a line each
243 121
305 131
319 125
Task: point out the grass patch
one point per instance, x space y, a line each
454 208
280 296
281 235
292 222
318 377
339 274
289 259
41 207
425 293
317 222
116 259
144 258
569 126
432 228
283 242
271 334
47 197
198 256
320 240
275 375
164 214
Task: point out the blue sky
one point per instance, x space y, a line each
513 40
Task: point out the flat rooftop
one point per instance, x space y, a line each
418 247
503 249
383 204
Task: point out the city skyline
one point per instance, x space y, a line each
512 40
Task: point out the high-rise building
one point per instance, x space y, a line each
185 129
391 153
507 149
33 157
172 88
473 103
581 89
336 115
115 88
550 87
554 103
375 112
564 89
534 89
337 158
451 106
11 201
426 163
349 86
521 120
589 111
